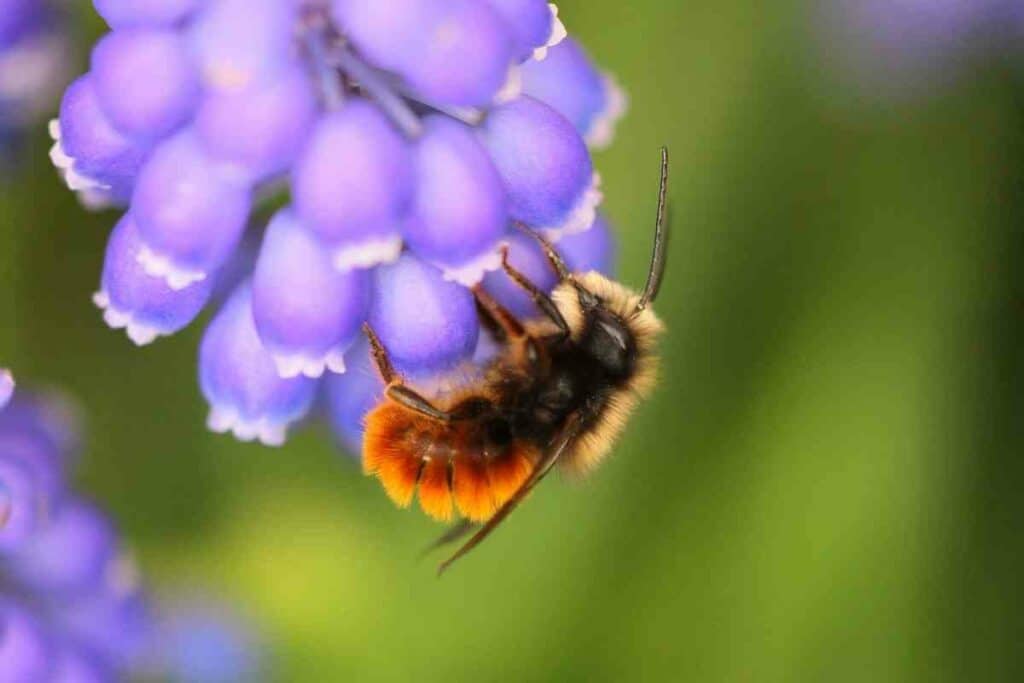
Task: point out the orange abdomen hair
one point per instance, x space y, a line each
451 464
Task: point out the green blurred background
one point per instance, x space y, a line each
825 487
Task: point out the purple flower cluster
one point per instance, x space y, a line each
33 57
70 604
402 142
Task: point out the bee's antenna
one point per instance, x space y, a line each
660 256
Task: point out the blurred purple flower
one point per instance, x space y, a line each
411 134
58 553
899 48
33 64
72 607
204 641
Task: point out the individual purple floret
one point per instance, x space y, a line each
305 335
399 142
533 26
146 307
545 165
570 83
240 380
460 210
352 185
427 323
145 81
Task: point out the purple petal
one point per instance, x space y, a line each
352 184
568 81
306 312
530 22
88 150
545 166
22 504
349 397
190 211
238 43
459 213
526 256
240 381
207 643
145 81
25 651
74 664
261 128
592 249
71 554
426 323
143 305
455 52
124 13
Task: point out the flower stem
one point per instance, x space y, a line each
377 87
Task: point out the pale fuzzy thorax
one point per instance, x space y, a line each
594 444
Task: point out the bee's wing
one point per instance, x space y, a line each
558 447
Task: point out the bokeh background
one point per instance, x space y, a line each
827 485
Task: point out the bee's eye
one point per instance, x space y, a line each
610 343
615 333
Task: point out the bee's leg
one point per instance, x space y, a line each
498 320
454 533
396 390
554 258
543 301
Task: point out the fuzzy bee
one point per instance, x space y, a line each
559 392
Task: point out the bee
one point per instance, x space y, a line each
559 392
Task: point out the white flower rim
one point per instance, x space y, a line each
558 34
223 420
372 252
291 365
159 266
602 128
581 217
116 318
472 272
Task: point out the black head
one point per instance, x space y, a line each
608 341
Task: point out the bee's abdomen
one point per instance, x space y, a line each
454 466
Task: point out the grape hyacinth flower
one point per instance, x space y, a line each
407 140
71 605
33 58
